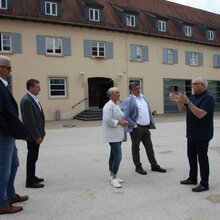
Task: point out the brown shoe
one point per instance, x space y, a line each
18 198
10 209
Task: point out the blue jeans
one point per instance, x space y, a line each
8 167
115 157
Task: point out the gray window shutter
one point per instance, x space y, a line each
145 53
109 50
136 21
59 9
133 52
101 15
187 57
42 7
66 46
124 18
16 42
41 45
10 5
216 61
165 55
156 24
200 59
87 48
87 13
175 56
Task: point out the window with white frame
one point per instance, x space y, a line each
51 8
211 35
139 52
3 4
94 14
98 49
188 31
54 46
57 87
130 20
170 56
194 58
161 25
5 42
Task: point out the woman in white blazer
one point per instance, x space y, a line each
113 131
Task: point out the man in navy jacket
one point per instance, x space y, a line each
11 128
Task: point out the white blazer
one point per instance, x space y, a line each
112 132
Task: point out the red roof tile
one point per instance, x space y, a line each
73 14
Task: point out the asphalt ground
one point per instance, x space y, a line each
74 163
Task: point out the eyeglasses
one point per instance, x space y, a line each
196 83
6 67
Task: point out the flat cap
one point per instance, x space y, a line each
5 61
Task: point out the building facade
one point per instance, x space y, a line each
77 49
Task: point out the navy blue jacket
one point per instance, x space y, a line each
9 122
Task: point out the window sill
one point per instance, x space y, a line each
54 55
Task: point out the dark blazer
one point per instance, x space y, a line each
33 118
9 121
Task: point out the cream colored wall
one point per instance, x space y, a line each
30 65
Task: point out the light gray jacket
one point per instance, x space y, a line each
112 132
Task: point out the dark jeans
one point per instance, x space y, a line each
32 157
142 134
9 163
198 151
115 157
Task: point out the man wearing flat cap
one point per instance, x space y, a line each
11 128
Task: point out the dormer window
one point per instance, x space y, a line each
94 14
50 8
210 35
130 20
3 4
188 31
162 26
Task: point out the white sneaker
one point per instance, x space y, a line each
115 183
119 179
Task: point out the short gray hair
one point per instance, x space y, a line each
5 61
112 90
203 81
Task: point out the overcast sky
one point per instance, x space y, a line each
207 5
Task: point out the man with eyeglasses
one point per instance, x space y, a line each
199 109
140 120
11 128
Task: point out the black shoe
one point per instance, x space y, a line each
157 168
34 185
188 182
141 171
38 180
200 188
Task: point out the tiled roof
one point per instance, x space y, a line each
175 14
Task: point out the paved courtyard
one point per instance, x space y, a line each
74 162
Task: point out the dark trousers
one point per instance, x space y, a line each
32 156
198 151
142 134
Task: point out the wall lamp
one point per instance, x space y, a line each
82 74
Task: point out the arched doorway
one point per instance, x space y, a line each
98 87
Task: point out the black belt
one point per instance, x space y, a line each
144 126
